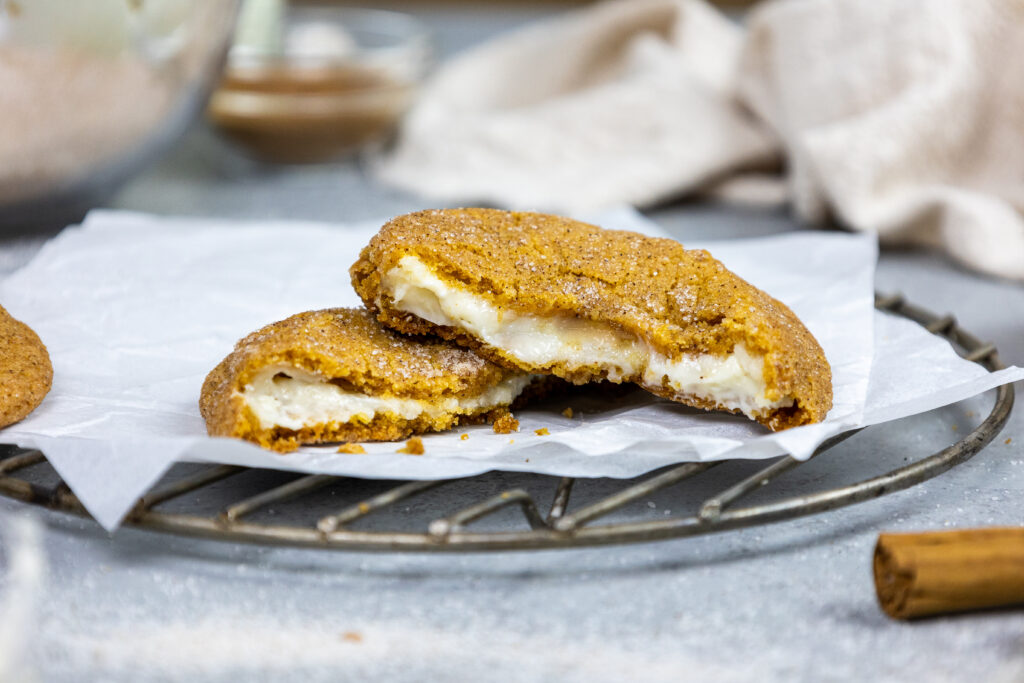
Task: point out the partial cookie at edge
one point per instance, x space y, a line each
26 373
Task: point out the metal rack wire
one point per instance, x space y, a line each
559 527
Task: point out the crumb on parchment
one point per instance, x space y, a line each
464 437
351 448
413 446
352 637
567 412
1008 441
543 431
505 423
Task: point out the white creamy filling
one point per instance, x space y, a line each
283 396
735 381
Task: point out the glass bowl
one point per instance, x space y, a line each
92 91
313 84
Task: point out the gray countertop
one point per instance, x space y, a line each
791 601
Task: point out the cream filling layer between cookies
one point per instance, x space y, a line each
735 381
284 396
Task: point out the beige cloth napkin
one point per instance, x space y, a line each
902 117
624 102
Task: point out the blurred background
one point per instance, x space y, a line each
900 119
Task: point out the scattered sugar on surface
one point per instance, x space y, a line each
693 609
269 648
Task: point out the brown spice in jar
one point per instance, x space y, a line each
298 114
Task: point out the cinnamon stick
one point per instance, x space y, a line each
921 574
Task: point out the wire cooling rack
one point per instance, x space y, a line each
558 527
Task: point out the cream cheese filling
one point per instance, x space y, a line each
735 381
284 396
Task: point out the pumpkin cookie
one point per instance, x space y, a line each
337 375
25 370
546 294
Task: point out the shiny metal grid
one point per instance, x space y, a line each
558 527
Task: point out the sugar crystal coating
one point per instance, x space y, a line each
26 373
347 347
679 301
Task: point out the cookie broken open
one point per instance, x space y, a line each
337 375
545 294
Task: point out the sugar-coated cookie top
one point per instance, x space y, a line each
348 347
678 300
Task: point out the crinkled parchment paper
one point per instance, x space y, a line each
136 310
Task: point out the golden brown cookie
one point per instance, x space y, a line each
337 375
25 370
546 294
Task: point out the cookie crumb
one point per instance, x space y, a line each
352 637
464 437
505 423
567 412
543 431
351 448
1007 442
511 440
413 446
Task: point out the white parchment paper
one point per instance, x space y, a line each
136 309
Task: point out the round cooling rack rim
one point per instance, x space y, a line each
558 527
